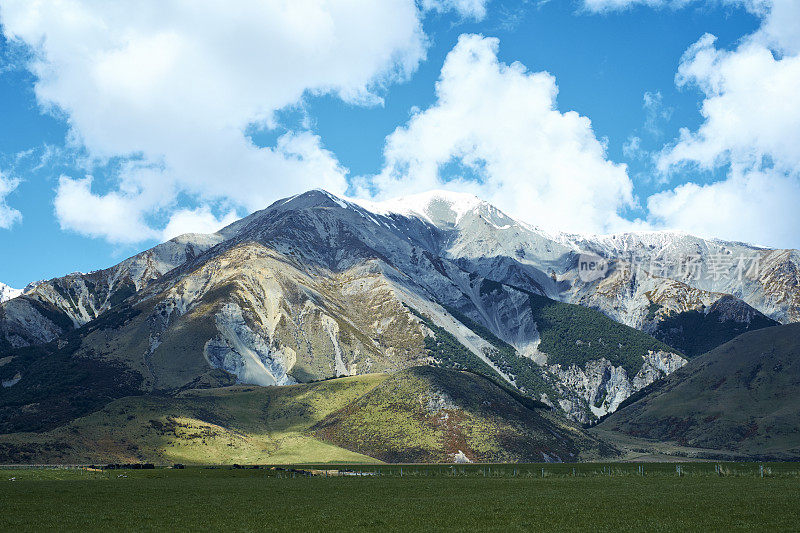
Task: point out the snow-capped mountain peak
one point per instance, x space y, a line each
438 207
6 292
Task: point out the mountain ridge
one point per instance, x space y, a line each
281 294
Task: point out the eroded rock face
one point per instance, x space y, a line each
244 353
600 387
656 366
767 280
23 323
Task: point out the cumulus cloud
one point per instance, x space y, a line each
200 220
750 107
780 22
115 216
8 215
759 207
171 88
495 130
751 125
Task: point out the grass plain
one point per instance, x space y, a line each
542 497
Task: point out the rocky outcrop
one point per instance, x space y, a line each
598 388
244 353
61 304
25 321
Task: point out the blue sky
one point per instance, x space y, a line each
145 113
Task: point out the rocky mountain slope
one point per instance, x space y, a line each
698 331
765 279
741 397
316 286
48 309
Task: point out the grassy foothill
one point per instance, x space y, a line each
608 497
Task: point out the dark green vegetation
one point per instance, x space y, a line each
450 353
56 385
741 396
695 332
573 334
426 414
424 499
652 309
570 334
527 374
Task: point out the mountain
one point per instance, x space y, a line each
317 286
6 292
740 397
765 279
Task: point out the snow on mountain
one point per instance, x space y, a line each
498 246
438 207
6 292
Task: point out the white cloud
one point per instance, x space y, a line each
656 112
200 220
475 9
601 6
751 124
499 125
115 216
751 110
8 215
172 87
632 149
759 207
779 29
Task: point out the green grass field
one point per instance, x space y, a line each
208 426
599 497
